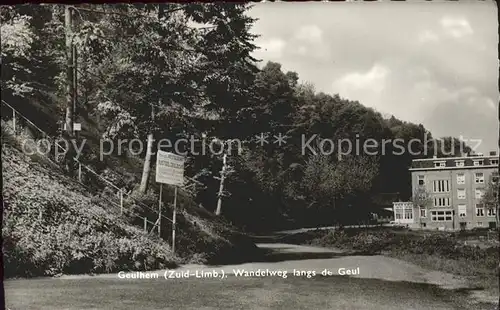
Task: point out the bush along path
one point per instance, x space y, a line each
52 226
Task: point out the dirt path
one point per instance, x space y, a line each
289 257
382 283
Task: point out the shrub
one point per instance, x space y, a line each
51 226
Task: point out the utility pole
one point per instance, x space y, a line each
70 89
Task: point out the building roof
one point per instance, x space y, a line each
450 163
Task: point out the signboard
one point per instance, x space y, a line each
76 126
169 168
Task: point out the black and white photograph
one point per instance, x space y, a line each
250 155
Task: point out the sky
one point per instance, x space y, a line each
429 63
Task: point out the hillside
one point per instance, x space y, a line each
55 225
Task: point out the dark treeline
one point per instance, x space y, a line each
155 71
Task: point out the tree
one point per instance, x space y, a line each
70 70
448 147
421 197
343 187
144 83
490 200
17 39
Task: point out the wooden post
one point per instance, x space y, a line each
159 210
14 121
121 201
174 220
145 225
79 172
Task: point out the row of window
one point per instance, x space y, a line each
478 193
403 212
461 163
462 224
438 215
461 194
441 216
443 186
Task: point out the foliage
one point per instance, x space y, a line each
443 245
490 199
17 38
193 74
52 225
421 197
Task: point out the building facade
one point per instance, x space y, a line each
449 193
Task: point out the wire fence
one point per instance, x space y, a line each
86 174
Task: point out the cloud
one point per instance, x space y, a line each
309 33
438 67
427 36
270 48
308 41
456 27
373 80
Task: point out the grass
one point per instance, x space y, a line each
432 250
477 275
232 293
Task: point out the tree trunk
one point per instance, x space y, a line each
147 166
147 161
69 71
218 211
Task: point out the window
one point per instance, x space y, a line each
478 162
460 163
441 201
421 179
479 178
479 193
441 216
423 212
403 212
441 186
491 212
408 214
461 193
461 178
479 209
462 210
494 162
439 164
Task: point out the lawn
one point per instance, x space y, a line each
232 293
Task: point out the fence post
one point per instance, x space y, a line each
159 210
14 121
80 172
121 201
